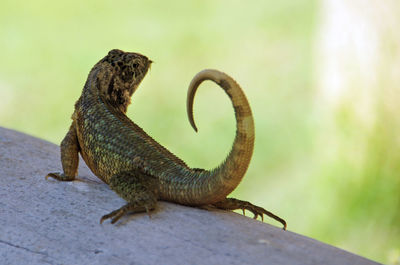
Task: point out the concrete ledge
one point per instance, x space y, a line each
58 223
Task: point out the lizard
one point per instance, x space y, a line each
132 163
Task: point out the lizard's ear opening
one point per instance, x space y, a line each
117 94
112 89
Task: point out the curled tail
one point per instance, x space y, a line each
214 185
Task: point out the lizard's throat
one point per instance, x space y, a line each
116 97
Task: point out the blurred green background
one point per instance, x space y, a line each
332 175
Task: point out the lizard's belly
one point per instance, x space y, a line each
102 155
90 162
90 159
92 153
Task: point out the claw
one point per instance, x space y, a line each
52 175
117 217
59 176
110 215
127 208
233 204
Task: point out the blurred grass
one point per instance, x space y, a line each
48 48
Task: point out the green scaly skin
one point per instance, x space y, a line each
133 164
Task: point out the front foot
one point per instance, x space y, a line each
60 176
235 204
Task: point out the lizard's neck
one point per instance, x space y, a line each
99 88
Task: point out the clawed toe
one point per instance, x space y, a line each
53 175
115 215
258 211
233 204
59 176
127 208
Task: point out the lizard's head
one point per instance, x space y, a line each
119 74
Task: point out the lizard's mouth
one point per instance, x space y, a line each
132 89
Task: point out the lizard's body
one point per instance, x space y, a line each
134 165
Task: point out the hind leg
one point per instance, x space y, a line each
138 189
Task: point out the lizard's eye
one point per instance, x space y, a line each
135 65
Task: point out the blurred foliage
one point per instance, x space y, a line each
48 47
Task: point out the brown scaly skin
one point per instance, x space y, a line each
134 165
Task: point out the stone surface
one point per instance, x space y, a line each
58 223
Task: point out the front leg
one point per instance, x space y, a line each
235 204
69 156
138 189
